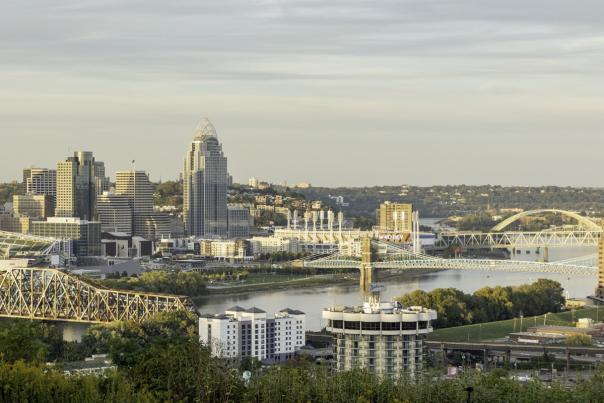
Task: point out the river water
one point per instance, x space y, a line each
313 300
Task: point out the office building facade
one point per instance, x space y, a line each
85 235
238 219
137 187
76 186
33 205
396 217
205 185
40 181
381 337
114 213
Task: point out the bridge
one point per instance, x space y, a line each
556 238
584 266
395 257
586 232
50 294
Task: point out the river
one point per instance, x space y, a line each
313 300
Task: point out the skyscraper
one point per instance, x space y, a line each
139 190
76 186
101 181
40 181
114 213
396 216
205 184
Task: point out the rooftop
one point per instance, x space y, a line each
205 129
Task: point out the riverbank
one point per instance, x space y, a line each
319 280
280 283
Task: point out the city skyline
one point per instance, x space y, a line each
392 92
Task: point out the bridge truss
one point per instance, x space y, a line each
404 260
50 294
558 238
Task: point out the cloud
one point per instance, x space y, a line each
413 74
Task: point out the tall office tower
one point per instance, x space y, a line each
114 213
40 181
76 186
102 182
139 190
396 216
205 184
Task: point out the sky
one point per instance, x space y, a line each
336 93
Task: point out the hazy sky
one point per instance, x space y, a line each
355 92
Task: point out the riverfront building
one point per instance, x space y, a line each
382 337
240 333
205 184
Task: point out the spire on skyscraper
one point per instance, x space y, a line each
204 129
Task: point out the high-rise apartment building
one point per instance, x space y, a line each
114 213
76 186
382 337
396 217
250 332
205 184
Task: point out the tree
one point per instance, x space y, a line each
579 340
32 341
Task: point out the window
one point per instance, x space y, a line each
370 325
391 326
352 325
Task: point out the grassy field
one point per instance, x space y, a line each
497 330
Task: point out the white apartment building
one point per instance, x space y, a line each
273 244
240 333
224 249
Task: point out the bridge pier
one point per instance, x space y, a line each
73 331
366 277
545 254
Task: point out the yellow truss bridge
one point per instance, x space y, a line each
50 294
